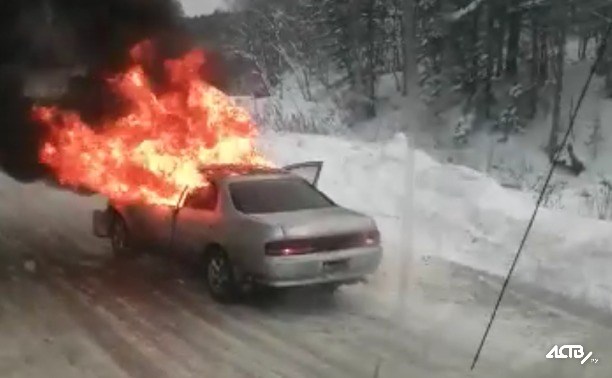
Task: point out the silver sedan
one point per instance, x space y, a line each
253 226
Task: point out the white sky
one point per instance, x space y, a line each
197 7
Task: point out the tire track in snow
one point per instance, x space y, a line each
304 353
114 335
350 361
165 328
126 345
201 331
311 362
193 303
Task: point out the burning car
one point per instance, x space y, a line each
252 225
182 173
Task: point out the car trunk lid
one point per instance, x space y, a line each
318 222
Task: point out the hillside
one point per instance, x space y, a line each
520 162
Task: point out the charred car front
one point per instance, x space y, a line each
269 227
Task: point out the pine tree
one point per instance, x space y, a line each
431 46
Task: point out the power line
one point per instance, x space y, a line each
600 53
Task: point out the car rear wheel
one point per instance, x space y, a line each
220 276
330 288
120 238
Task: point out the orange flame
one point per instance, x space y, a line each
158 148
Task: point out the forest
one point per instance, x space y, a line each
501 61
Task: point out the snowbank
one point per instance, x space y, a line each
460 215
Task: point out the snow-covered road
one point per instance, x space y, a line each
80 314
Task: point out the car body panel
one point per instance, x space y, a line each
333 220
190 228
194 229
149 225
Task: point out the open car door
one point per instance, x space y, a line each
177 208
310 170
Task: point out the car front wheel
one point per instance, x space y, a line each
220 276
120 238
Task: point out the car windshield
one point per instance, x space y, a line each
276 196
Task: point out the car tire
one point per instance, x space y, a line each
330 288
120 238
220 277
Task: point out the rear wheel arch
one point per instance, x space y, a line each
216 247
115 214
212 248
121 240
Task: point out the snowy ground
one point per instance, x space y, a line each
520 162
79 314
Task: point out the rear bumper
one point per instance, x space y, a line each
313 269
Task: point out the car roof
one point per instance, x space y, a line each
234 173
228 172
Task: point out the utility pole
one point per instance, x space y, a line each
408 45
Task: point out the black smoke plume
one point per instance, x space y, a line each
92 35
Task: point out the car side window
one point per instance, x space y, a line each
203 198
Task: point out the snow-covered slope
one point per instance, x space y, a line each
460 214
519 162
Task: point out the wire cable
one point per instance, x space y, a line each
600 53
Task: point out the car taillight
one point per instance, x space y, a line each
372 238
323 244
289 248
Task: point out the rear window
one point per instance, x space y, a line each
276 196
